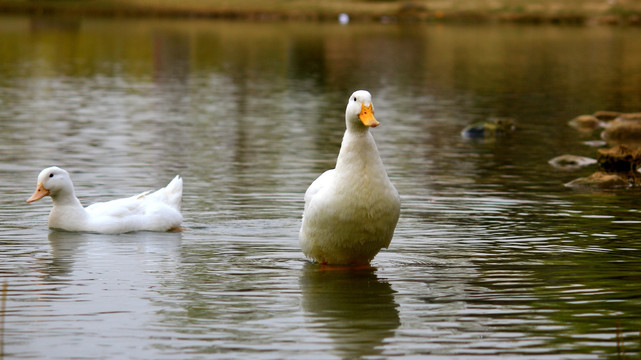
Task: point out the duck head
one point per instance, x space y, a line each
360 110
52 181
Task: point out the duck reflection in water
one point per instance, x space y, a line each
104 250
354 308
64 247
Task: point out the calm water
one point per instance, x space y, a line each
492 256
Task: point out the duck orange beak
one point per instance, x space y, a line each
39 193
367 116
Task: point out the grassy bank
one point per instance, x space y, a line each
627 12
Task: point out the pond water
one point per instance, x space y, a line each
492 256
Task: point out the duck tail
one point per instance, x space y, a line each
174 192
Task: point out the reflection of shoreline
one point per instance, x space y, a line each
576 13
353 307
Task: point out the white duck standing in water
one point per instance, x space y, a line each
351 211
149 211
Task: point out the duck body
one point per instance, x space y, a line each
148 211
351 211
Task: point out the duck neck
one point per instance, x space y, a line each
67 209
65 197
358 150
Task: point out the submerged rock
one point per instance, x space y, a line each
571 162
620 159
601 180
619 164
624 129
493 127
629 117
606 115
584 122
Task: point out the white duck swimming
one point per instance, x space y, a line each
149 211
351 211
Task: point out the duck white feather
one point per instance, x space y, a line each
351 211
148 211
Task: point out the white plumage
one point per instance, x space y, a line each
351 211
148 211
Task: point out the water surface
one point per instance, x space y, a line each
492 256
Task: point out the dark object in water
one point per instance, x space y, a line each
493 127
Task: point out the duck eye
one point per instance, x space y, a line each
354 98
50 175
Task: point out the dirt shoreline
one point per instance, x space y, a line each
588 13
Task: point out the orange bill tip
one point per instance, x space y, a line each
39 193
367 116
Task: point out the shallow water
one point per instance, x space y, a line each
492 256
